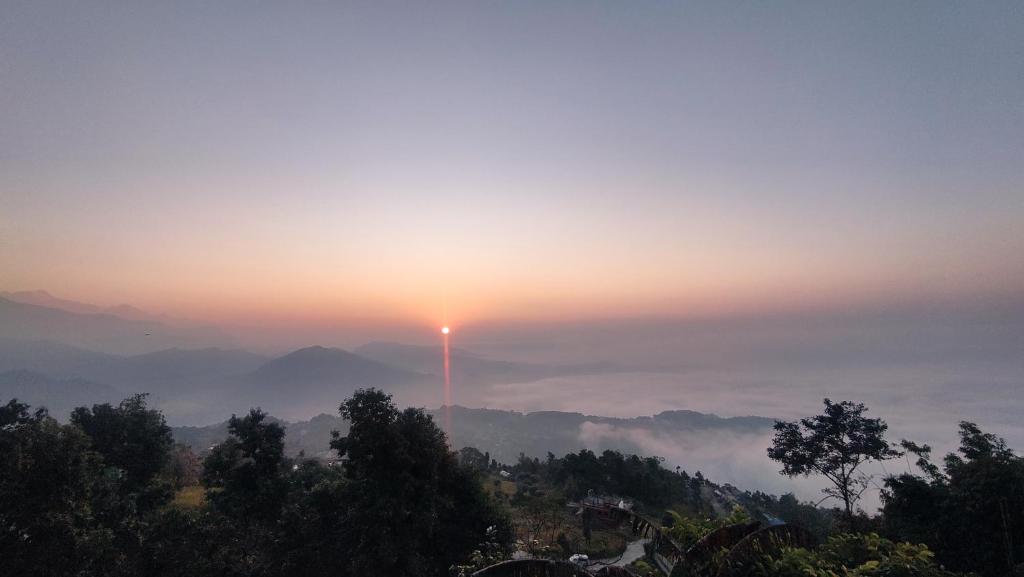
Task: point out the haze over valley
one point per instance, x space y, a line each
493 289
919 373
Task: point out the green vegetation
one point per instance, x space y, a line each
688 530
96 497
110 494
970 512
849 555
966 516
192 497
834 444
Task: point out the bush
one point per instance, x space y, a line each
852 555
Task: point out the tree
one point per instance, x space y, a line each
270 514
412 509
54 499
539 522
834 444
133 439
472 457
790 510
243 474
184 467
971 512
315 536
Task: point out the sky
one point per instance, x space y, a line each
517 162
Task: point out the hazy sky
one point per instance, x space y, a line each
518 160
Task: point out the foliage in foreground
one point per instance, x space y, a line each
971 511
834 444
850 555
688 530
71 503
91 498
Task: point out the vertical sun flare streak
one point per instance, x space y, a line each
447 388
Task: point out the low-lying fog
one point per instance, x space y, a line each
921 375
922 403
922 368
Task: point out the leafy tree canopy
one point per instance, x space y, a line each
850 555
834 444
246 469
130 437
413 507
971 512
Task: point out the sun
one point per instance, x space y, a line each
445 330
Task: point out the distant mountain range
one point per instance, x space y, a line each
44 299
202 384
169 370
316 364
62 354
58 395
57 350
318 377
101 330
506 434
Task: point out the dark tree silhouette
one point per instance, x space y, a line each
834 444
412 508
57 506
132 438
245 471
971 512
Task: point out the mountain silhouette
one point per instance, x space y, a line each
103 332
60 396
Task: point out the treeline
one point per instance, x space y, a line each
612 473
655 488
95 497
969 510
969 513
965 514
92 497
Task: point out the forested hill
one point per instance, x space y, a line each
506 434
109 493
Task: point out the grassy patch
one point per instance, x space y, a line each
604 544
496 486
190 497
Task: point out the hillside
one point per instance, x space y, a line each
104 332
45 299
179 370
168 371
315 378
506 434
53 358
60 396
321 365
